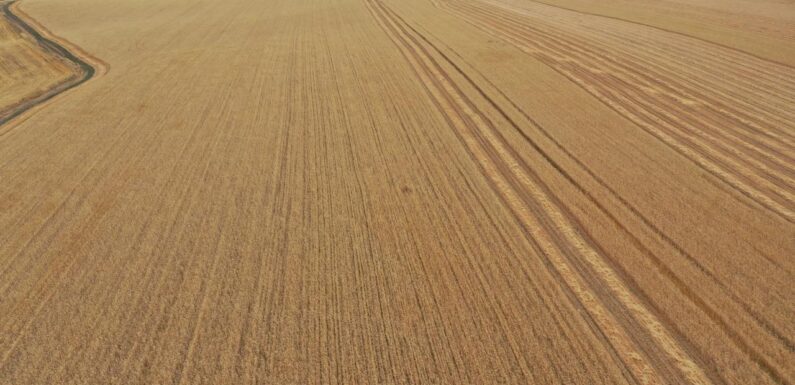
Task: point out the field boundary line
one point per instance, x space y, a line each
89 65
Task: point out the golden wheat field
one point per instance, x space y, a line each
397 192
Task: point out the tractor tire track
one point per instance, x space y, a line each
664 269
87 66
532 202
688 132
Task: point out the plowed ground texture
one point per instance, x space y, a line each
399 192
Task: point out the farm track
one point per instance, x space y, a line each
395 192
83 71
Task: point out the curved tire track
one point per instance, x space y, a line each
52 45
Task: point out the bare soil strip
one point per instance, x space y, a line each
49 46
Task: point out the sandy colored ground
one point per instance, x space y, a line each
403 192
29 72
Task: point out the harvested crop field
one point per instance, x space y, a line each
397 192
